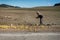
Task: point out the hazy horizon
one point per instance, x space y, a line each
29 3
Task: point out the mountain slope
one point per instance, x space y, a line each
8 6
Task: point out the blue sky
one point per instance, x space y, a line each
29 3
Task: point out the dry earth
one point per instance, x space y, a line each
11 16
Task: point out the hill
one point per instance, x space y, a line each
57 4
8 6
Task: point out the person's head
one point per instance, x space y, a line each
38 12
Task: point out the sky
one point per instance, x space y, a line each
29 3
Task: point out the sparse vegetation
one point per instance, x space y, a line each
30 28
24 19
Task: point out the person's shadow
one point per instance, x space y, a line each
40 17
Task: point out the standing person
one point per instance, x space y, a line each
40 17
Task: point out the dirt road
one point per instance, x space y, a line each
30 36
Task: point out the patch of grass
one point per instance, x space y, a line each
29 28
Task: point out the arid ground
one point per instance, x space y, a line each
27 16
22 24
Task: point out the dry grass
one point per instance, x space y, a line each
27 16
29 28
18 16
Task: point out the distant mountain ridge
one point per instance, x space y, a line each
11 6
57 4
8 6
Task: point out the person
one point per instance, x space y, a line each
40 17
